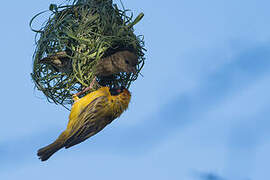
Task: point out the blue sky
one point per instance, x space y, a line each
201 108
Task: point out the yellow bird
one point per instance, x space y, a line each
89 115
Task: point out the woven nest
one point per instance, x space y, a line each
89 30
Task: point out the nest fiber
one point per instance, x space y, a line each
89 30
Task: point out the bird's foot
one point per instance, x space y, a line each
94 81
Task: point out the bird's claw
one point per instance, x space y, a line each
85 89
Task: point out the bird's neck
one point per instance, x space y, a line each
120 102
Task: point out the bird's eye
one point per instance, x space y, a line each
127 62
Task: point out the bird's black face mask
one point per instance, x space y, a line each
116 90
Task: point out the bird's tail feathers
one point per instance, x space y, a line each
46 152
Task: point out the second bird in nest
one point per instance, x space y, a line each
121 61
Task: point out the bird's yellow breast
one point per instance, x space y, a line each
114 106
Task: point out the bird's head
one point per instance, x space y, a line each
127 62
116 90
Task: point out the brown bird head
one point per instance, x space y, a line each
126 61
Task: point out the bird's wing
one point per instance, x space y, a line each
93 118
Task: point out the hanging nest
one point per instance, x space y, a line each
87 31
